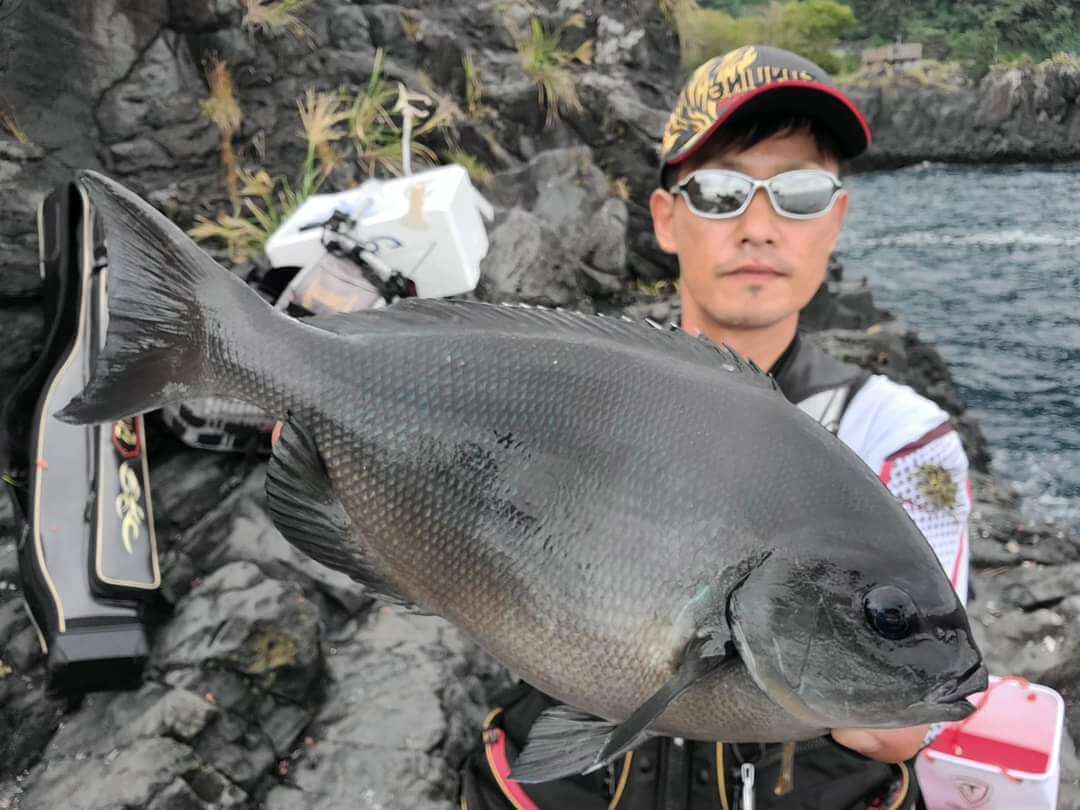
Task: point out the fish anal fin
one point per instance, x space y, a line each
305 509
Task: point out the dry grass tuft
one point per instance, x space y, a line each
273 16
336 126
222 108
547 65
11 125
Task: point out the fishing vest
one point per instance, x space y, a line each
817 383
674 774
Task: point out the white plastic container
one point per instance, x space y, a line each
427 226
1005 756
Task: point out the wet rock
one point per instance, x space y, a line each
191 16
397 720
564 237
111 720
525 263
20 280
239 529
177 796
1030 114
28 715
1001 536
122 778
250 646
22 331
1030 588
127 110
605 249
238 619
1016 642
188 484
1065 677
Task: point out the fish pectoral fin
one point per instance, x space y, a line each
566 742
562 742
705 654
305 509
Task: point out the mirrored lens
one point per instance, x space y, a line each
716 193
803 193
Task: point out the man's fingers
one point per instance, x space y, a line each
275 434
884 745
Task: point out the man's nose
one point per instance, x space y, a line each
758 224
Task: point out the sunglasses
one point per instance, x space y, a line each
722 194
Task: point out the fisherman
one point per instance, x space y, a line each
751 204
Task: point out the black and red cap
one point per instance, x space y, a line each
753 80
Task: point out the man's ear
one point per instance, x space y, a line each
662 207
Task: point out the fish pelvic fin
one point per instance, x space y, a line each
304 507
168 304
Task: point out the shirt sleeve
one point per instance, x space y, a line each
930 478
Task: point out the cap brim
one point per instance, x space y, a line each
834 109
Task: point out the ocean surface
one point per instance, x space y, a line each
985 264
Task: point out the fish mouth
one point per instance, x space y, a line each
955 690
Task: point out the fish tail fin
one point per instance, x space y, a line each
169 304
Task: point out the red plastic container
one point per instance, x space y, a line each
1005 755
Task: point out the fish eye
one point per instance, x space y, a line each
890 611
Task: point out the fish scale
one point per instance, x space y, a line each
633 520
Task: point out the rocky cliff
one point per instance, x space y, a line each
274 682
935 113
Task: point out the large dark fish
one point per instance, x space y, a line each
633 520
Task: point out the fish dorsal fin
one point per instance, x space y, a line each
473 316
306 511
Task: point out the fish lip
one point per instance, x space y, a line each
953 691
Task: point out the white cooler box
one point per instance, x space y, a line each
426 226
1005 756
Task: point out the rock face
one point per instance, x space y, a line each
1010 115
274 682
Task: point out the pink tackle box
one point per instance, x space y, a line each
1005 756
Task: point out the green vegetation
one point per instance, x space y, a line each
977 34
480 174
1007 28
811 28
273 16
661 288
547 65
11 126
945 76
620 188
474 88
362 131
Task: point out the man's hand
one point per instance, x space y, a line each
884 745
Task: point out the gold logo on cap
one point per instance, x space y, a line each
715 82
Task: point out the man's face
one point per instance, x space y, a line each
760 268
